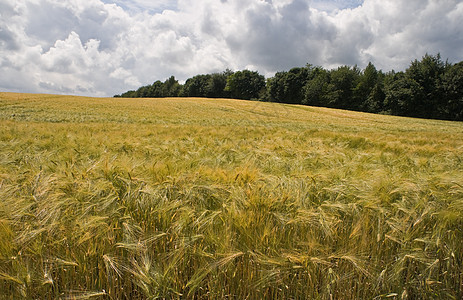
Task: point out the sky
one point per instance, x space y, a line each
106 47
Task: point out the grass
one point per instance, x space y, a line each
212 199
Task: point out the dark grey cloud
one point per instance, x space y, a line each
47 23
280 33
7 40
7 37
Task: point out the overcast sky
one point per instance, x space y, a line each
105 47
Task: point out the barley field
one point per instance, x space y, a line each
111 198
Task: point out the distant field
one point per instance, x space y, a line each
111 198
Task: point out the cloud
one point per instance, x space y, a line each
137 6
104 47
7 40
402 31
335 5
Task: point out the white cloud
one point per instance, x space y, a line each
137 6
104 47
403 31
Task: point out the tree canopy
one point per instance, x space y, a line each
428 88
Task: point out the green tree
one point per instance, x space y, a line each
216 84
128 94
427 74
341 86
155 90
288 87
275 87
375 100
245 85
316 89
209 85
171 87
142 92
368 94
419 91
403 95
452 85
196 86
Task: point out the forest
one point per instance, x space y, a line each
429 88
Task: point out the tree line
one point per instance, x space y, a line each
428 88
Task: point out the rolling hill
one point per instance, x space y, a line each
113 198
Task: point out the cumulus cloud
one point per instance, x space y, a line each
400 31
104 47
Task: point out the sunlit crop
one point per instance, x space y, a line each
214 199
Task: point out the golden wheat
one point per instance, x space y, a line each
207 199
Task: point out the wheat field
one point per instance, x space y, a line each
111 198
